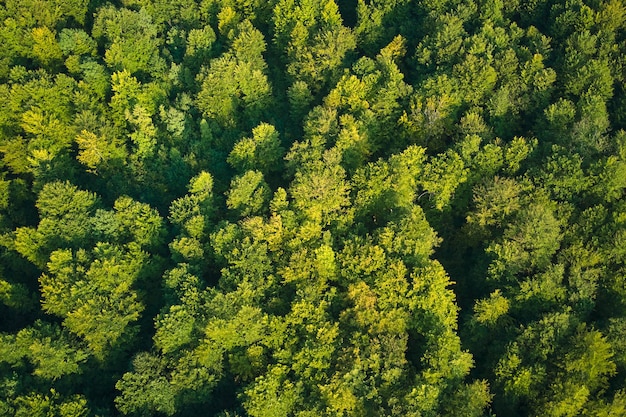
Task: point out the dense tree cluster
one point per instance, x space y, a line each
277 208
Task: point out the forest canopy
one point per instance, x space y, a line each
298 208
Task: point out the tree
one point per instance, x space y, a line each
199 46
41 405
442 175
52 352
93 294
589 361
312 41
96 151
76 45
64 211
272 395
262 151
377 22
234 87
248 194
145 390
175 13
45 47
130 39
320 193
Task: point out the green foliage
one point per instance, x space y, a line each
248 194
199 45
65 211
93 293
273 395
312 208
47 347
138 223
262 151
589 360
130 39
488 311
45 47
38 405
145 391
96 151
313 41
321 194
442 175
235 87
